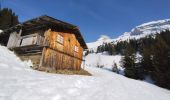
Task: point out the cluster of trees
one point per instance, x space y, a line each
88 51
102 48
7 20
118 48
155 60
106 47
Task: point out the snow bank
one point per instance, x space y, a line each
93 59
18 82
10 61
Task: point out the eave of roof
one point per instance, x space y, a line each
47 20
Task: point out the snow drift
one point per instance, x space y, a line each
19 82
103 59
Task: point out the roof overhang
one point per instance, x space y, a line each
48 22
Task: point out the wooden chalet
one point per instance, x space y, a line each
49 43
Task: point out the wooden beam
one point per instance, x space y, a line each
65 53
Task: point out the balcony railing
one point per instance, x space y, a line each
24 41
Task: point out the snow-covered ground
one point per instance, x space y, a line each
19 82
103 59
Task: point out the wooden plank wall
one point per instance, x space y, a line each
33 38
40 40
53 60
13 40
61 56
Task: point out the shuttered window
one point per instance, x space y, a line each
29 41
76 49
60 39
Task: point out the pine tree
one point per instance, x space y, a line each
7 20
106 47
147 61
161 63
111 49
86 53
166 36
98 49
115 68
129 63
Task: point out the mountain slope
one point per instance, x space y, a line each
100 41
19 82
143 30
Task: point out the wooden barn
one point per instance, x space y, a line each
49 43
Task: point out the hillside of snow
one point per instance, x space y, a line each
19 82
105 60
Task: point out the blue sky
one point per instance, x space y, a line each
94 17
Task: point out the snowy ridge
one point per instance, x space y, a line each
143 30
19 82
150 28
100 41
158 22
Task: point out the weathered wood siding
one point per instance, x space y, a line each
13 40
53 60
28 40
33 38
61 56
66 54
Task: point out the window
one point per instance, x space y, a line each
76 49
69 40
60 39
28 41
